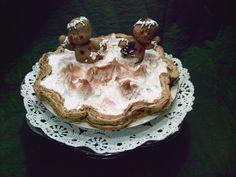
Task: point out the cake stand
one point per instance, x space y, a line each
101 143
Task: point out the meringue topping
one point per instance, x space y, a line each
109 85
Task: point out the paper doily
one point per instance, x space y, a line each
101 141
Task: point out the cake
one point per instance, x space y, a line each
109 81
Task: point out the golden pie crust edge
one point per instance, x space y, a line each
99 120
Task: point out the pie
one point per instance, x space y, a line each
111 93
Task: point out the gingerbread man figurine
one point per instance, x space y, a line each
87 49
144 37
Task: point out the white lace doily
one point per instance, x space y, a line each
109 141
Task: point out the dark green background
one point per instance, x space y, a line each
200 32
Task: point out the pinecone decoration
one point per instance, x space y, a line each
128 50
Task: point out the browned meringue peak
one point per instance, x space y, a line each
130 71
128 89
70 74
122 70
141 71
84 87
100 75
104 74
71 68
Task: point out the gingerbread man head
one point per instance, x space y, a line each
79 31
145 30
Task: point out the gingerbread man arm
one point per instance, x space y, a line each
124 42
65 43
124 39
97 44
154 43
